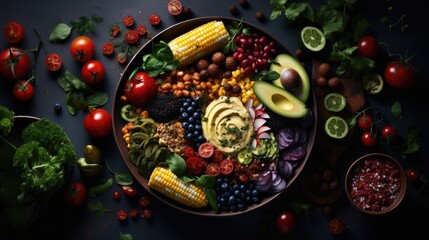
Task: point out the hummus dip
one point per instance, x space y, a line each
227 124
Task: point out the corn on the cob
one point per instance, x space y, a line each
199 42
166 182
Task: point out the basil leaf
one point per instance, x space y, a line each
211 197
96 99
176 164
97 208
64 84
125 236
59 33
101 187
123 178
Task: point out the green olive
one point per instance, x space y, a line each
92 154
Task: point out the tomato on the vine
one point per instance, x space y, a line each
389 133
286 222
15 63
23 91
128 21
53 62
131 37
82 49
194 165
75 194
365 122
98 123
369 139
14 32
140 89
399 75
367 47
108 48
93 72
154 19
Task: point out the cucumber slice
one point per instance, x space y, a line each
372 83
336 127
313 39
334 102
245 156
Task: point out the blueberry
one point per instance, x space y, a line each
191 127
237 193
224 187
184 115
191 119
196 115
233 208
194 104
256 200
185 125
241 207
189 136
186 105
201 139
235 186
198 127
190 110
182 109
57 108
197 134
232 200
255 192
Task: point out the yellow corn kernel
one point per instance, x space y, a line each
166 182
199 42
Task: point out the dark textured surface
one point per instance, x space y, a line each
61 222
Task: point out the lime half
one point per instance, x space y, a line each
372 83
313 39
336 127
335 102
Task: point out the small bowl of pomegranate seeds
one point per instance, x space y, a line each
376 183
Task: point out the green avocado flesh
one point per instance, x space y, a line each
284 60
279 100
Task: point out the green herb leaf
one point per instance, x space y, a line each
96 99
125 236
211 197
206 181
84 25
176 164
123 178
100 188
396 110
97 208
59 33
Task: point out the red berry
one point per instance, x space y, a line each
412 175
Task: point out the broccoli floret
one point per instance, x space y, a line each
6 120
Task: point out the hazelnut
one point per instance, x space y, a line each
334 83
236 89
227 87
230 63
299 54
260 16
218 58
322 82
233 10
204 74
202 64
325 69
213 70
328 210
227 74
243 3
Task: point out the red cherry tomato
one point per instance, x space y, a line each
286 222
115 30
131 36
133 213
82 49
189 152
194 165
399 76
389 133
226 166
154 19
129 191
369 139
116 195
53 62
108 48
206 150
365 122
75 194
15 63
218 156
128 21
23 91
413 175
367 47
121 215
144 201
213 169
121 58
14 32
174 7
140 89
142 30
98 123
93 72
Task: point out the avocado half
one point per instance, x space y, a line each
279 100
284 60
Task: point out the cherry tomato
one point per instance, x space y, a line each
213 169
154 19
194 165
114 30
140 89
133 213
108 48
412 175
75 194
336 226
129 191
142 30
389 133
14 32
23 91
93 72
367 47
218 156
206 150
98 123
121 57
144 201
189 152
128 21
174 7
15 63
226 166
369 139
116 195
365 122
399 76
82 49
131 36
53 62
286 222
121 215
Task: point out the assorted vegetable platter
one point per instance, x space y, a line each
214 126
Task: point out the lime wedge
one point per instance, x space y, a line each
313 39
372 83
336 127
334 102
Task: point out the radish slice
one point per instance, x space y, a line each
259 112
259 122
252 112
254 143
249 104
259 106
264 115
263 129
263 135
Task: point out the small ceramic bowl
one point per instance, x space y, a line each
375 183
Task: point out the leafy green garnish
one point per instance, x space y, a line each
411 142
159 61
235 28
83 25
396 110
101 187
176 164
97 208
121 178
6 120
125 236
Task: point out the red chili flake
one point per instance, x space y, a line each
375 185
